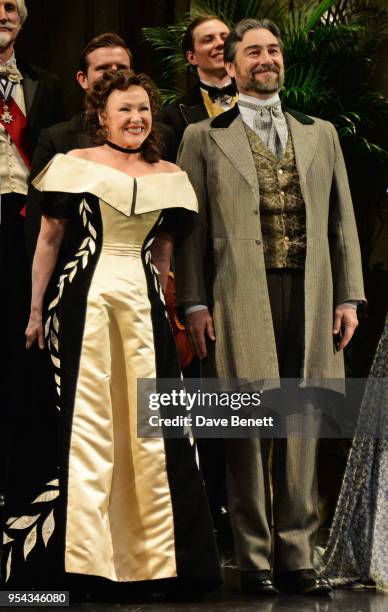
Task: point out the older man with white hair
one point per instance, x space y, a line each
30 99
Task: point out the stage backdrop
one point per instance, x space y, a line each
56 32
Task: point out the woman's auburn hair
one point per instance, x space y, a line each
97 98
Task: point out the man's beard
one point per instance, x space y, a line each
273 85
5 40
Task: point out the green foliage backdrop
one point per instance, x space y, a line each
330 49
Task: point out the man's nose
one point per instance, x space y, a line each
220 42
3 13
265 57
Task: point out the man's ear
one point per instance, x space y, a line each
229 67
190 56
82 79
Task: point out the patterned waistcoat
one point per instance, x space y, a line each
282 209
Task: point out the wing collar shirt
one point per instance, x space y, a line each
225 101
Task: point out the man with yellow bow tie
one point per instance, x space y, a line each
214 93
30 99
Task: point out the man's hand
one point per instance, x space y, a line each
345 320
199 328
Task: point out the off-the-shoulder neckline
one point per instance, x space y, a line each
90 161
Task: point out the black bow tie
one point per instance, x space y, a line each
219 92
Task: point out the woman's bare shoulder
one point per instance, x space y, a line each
88 153
168 167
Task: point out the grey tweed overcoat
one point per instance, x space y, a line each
220 263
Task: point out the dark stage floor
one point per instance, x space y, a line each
230 599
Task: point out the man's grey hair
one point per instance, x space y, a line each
241 28
22 10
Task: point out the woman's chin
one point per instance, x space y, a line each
132 144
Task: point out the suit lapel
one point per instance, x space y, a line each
193 114
305 142
233 142
29 89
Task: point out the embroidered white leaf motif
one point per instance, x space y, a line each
84 218
85 260
84 243
87 207
61 279
8 568
30 542
54 340
25 521
56 322
6 539
57 380
55 361
92 246
53 483
92 230
81 252
54 303
47 327
70 265
58 391
149 243
148 257
156 283
46 496
48 528
11 520
81 207
72 274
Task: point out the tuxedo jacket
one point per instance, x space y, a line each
62 138
188 109
43 99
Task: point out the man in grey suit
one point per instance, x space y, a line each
268 275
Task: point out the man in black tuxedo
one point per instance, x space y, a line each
30 99
105 52
203 48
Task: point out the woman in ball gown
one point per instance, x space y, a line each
107 503
357 548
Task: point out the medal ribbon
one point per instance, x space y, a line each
17 129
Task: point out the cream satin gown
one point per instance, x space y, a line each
116 489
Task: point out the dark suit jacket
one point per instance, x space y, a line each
43 99
62 138
185 110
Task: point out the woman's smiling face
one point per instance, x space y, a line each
128 117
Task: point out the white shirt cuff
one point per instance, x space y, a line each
191 309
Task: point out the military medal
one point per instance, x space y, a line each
6 116
6 87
